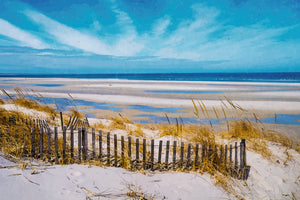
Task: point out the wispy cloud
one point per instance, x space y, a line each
160 26
9 30
193 39
86 42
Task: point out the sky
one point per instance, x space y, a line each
149 36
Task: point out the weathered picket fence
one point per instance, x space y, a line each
131 152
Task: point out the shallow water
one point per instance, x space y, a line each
48 85
152 109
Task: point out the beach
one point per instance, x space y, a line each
265 98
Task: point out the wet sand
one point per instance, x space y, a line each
265 99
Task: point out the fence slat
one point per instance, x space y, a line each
221 154
203 152
122 151
83 136
216 160
79 145
115 150
152 155
196 155
108 147
129 150
210 152
159 151
72 140
93 143
86 134
56 143
230 153
188 160
49 142
64 143
167 154
137 154
41 142
144 153
235 156
100 145
174 154
225 154
181 154
32 143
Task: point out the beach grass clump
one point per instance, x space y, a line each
135 130
33 104
170 130
21 100
119 122
201 134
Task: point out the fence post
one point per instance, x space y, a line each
181 154
230 153
188 160
115 150
83 136
108 147
144 153
235 156
93 142
196 155
41 142
209 153
79 144
221 154
159 152
86 142
64 144
137 143
49 142
226 150
174 154
152 155
56 143
216 155
100 145
122 151
32 143
72 140
167 154
203 153
242 158
129 150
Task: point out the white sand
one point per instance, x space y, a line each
267 180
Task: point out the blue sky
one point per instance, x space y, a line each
144 36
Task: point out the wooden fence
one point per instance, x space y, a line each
130 152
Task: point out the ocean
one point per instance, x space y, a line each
286 77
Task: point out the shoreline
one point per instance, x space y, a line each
264 98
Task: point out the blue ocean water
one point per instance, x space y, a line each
293 77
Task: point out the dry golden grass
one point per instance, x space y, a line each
119 122
135 130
